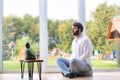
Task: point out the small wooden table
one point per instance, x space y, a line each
31 67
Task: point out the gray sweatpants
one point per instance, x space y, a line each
82 68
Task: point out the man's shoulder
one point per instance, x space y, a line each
85 37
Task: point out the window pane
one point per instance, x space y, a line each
20 25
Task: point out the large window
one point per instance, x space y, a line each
98 16
61 15
20 25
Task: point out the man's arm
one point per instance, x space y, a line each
87 50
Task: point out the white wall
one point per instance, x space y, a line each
1 10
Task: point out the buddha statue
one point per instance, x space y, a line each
29 55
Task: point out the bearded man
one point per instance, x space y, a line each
80 62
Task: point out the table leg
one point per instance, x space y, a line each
22 69
39 69
30 70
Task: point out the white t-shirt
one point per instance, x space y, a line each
82 49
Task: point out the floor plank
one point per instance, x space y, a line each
58 76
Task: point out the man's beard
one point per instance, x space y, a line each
76 33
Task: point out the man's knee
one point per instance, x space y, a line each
59 60
73 62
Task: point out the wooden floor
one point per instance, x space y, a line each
58 76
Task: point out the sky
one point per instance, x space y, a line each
56 9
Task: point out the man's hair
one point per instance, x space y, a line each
78 25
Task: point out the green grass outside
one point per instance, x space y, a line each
14 65
104 64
